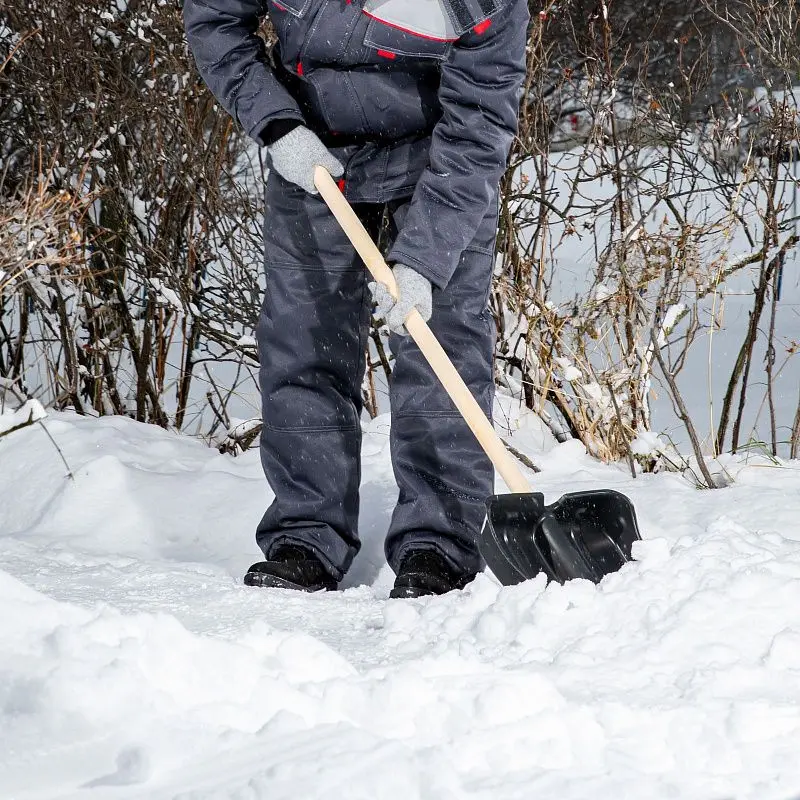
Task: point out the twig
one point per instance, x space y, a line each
70 474
683 413
521 456
28 423
622 431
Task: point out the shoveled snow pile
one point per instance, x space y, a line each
134 664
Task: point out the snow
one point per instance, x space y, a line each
29 412
166 295
135 664
647 443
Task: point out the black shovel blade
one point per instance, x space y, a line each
582 535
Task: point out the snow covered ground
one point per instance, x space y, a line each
134 664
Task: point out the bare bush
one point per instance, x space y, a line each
644 207
646 178
108 96
42 261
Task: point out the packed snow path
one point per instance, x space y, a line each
134 664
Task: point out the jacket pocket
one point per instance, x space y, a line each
297 8
389 42
291 19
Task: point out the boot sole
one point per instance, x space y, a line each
263 580
408 592
415 585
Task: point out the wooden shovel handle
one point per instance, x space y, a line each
429 345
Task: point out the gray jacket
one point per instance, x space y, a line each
418 98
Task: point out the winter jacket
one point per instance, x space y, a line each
419 98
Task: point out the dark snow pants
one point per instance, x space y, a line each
312 337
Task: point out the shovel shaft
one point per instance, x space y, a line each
428 344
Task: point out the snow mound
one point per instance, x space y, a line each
135 664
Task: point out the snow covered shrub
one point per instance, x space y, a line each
43 259
40 232
104 92
622 239
645 203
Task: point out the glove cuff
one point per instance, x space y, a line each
277 129
297 139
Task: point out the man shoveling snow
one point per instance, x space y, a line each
413 105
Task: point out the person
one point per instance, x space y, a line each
412 105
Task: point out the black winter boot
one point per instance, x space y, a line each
425 572
291 567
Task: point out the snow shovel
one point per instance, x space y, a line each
582 535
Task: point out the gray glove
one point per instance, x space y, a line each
414 291
296 155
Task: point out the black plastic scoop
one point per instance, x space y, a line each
582 535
